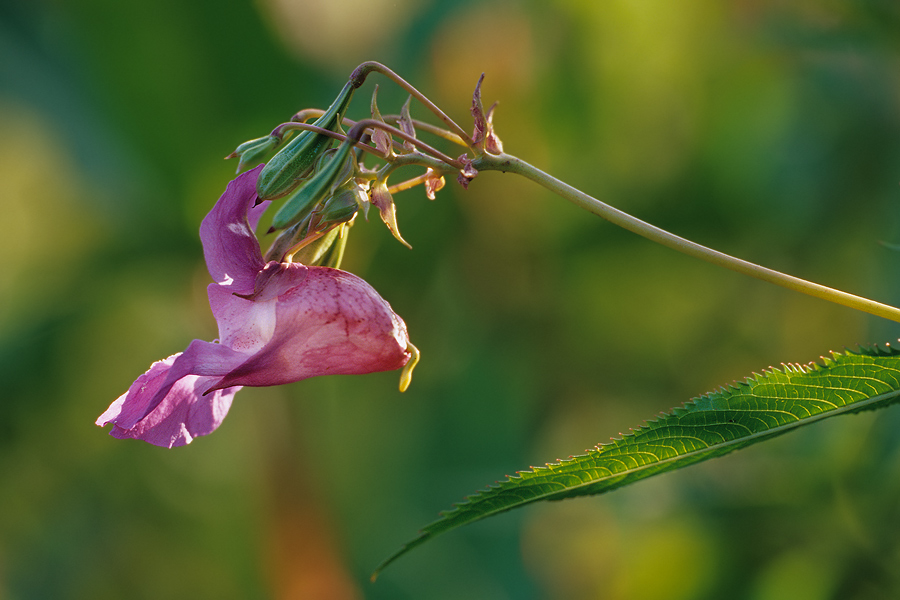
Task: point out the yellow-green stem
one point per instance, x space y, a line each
510 164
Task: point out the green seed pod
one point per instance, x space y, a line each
316 189
281 173
253 150
341 206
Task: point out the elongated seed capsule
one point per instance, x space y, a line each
314 190
253 150
281 173
341 206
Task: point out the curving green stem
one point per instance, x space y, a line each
429 128
511 164
360 126
361 72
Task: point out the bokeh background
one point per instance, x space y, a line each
767 129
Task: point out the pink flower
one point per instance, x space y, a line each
278 323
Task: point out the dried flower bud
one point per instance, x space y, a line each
381 138
492 142
406 125
483 134
433 183
467 173
382 199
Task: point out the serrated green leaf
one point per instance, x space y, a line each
763 406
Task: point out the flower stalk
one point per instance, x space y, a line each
507 163
362 71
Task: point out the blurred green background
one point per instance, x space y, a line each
767 129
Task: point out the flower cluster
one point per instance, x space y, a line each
283 316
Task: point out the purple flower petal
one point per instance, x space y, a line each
199 358
332 323
230 247
244 325
182 414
